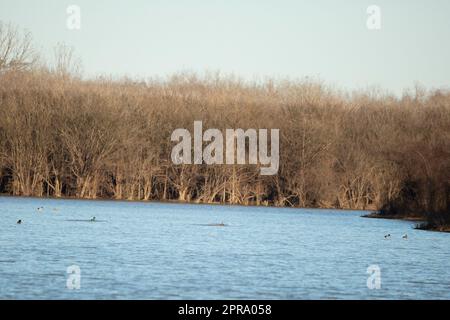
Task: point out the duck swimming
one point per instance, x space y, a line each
93 219
217 224
19 221
405 236
387 236
40 208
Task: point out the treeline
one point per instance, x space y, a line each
61 136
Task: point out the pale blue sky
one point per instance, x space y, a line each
327 39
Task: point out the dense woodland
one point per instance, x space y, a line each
62 136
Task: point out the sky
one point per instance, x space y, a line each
324 39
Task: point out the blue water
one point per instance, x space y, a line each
168 251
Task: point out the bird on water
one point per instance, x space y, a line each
217 224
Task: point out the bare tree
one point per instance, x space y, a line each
67 64
16 50
62 136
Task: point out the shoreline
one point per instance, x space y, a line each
170 201
421 225
376 215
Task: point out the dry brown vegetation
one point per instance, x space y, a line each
62 136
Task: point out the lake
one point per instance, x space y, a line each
137 250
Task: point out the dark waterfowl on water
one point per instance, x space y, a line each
19 221
387 236
217 224
213 224
405 236
93 219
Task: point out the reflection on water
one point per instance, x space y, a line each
176 251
